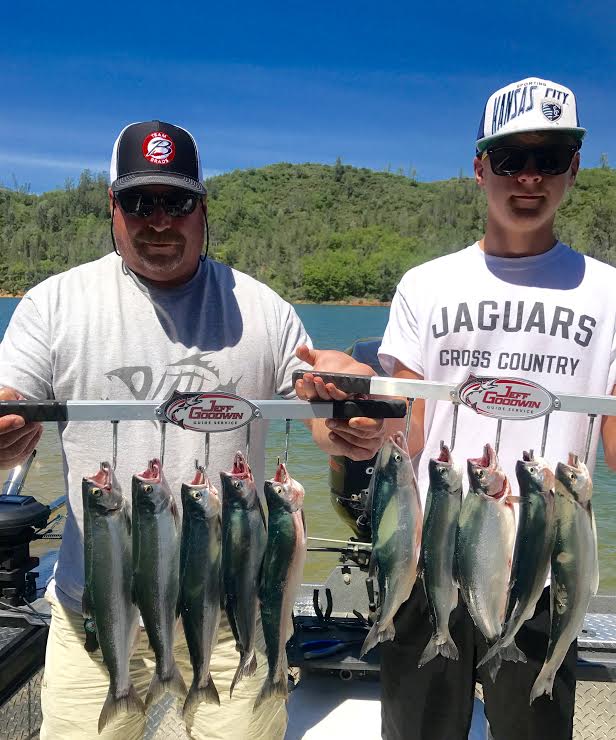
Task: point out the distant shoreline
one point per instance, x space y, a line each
354 302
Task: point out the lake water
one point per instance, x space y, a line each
333 327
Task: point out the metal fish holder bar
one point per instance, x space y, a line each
195 410
429 390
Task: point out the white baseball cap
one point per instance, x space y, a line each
529 105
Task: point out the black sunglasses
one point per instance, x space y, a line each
549 159
142 203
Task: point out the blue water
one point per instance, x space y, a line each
332 327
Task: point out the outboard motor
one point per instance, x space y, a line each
20 517
348 479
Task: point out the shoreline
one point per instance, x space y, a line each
354 302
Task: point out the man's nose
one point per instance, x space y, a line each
160 219
530 173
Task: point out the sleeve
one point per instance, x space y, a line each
401 340
25 357
291 334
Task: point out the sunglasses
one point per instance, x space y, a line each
142 203
508 161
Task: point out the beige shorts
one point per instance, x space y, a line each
75 685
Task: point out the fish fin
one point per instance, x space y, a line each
376 635
86 603
173 508
91 643
246 668
263 517
129 703
437 646
304 522
492 666
198 694
372 565
543 685
134 591
272 689
175 685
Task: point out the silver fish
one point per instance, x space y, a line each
107 593
199 601
437 552
484 544
396 534
244 536
531 558
156 556
575 567
283 567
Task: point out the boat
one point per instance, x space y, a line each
332 694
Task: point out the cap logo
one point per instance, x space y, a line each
551 110
158 148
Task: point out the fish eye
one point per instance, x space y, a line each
397 456
237 484
197 495
481 473
147 488
96 492
533 469
573 477
369 470
277 489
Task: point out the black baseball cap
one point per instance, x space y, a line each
155 153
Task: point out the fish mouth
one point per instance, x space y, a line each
104 477
200 477
574 460
152 472
282 474
399 440
445 454
241 469
487 460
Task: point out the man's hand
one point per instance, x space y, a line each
17 437
359 438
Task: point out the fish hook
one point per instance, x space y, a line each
454 425
114 453
287 433
163 434
591 423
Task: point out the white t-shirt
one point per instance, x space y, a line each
99 332
550 318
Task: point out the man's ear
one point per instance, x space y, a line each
575 166
478 168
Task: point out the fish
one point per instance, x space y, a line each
156 564
244 536
484 545
200 594
396 534
437 552
283 566
575 566
531 558
107 593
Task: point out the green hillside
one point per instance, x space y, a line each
312 232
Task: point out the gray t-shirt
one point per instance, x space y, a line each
99 332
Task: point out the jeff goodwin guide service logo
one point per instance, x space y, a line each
505 398
207 412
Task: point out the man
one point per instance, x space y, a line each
139 324
519 303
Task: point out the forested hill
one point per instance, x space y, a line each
310 231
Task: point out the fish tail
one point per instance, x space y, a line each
197 694
246 668
129 703
270 689
497 653
437 646
543 685
158 686
377 634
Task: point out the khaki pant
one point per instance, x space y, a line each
75 685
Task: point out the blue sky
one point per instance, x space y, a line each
377 83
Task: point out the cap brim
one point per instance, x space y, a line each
136 179
483 144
